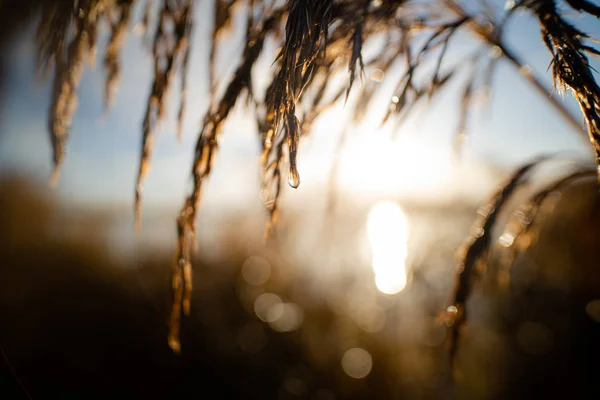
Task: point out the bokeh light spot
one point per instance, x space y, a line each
256 270
357 363
593 310
287 317
387 230
266 307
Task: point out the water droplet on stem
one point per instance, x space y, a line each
294 178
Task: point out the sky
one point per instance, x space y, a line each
103 151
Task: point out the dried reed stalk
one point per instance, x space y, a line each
206 148
519 234
475 249
570 66
69 44
112 63
170 41
321 39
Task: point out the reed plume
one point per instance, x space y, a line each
206 148
570 65
317 40
118 17
68 44
171 41
475 249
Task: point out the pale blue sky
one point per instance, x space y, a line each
103 153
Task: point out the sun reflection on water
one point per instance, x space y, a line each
387 231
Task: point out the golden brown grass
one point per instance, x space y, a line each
318 39
171 41
118 18
570 65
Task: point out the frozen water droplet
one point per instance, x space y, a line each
377 75
506 240
294 178
495 52
525 70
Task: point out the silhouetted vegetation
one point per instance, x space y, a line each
316 41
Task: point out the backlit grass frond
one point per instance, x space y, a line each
410 45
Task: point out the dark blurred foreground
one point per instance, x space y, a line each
75 322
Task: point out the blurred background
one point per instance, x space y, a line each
340 303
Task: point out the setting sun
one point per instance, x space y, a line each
387 230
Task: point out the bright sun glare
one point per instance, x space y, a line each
387 230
